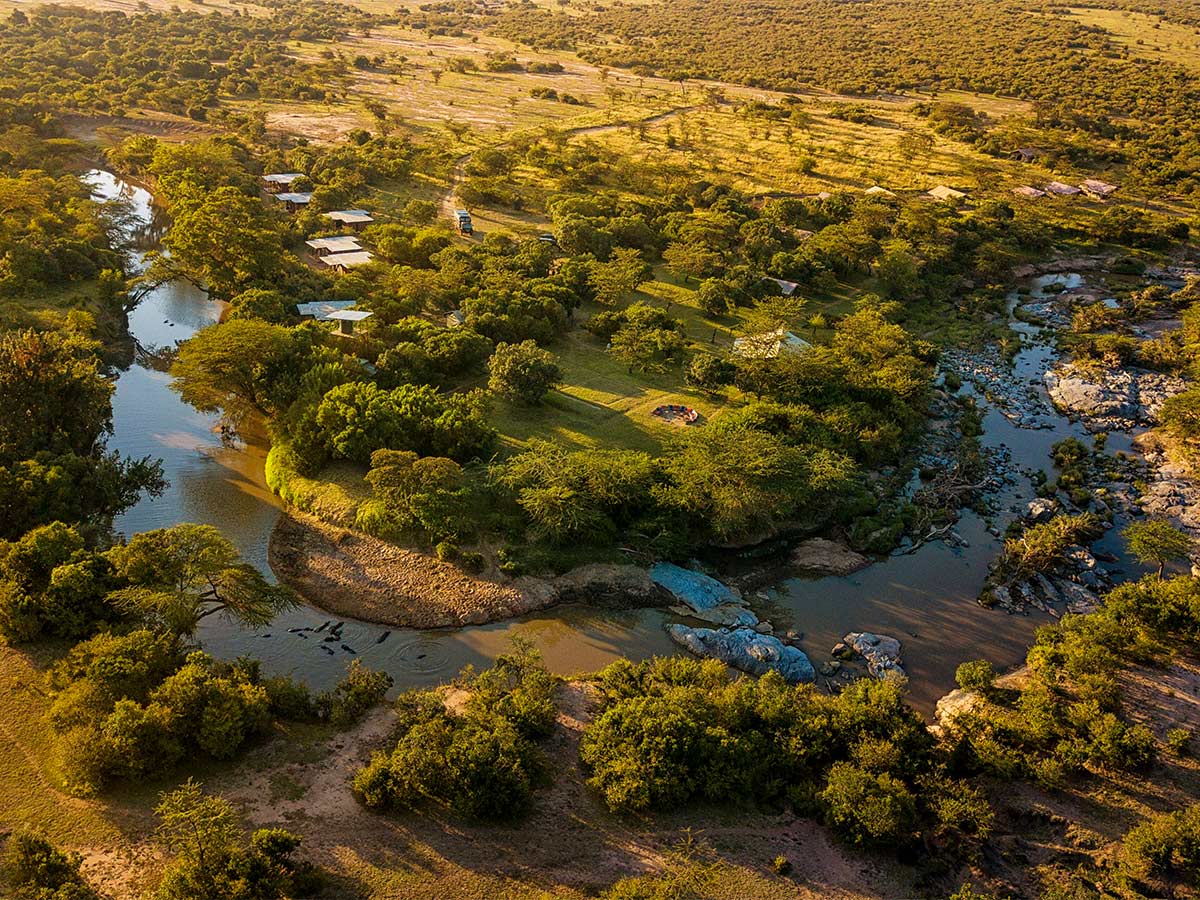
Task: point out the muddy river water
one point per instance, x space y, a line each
926 598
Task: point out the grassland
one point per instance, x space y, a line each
1146 36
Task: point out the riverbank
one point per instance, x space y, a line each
352 574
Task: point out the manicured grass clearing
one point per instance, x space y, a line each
600 404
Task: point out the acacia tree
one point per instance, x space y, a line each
618 277
184 574
1158 541
224 242
242 366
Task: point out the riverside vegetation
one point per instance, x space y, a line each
515 437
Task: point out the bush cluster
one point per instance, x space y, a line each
481 760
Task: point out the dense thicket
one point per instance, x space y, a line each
481 760
68 57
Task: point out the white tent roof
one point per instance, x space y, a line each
350 216
880 191
347 260
788 287
942 192
321 310
1094 186
299 199
350 315
282 177
1057 187
339 244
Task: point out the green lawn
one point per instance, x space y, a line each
30 791
600 403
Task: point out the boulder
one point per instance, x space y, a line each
824 557
1049 591
747 650
881 652
702 596
1116 399
1041 509
1080 600
953 705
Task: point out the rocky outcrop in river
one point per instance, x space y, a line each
747 650
818 556
1172 490
881 652
1112 399
702 596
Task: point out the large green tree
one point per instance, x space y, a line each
225 242
183 574
522 372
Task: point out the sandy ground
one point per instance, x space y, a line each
569 840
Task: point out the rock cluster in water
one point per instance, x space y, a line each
1021 402
747 650
881 652
819 556
702 596
1113 399
1073 586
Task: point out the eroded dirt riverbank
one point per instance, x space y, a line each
353 574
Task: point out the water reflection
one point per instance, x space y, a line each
927 598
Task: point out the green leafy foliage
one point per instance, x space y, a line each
34 869
482 761
415 495
522 373
214 859
53 462
677 730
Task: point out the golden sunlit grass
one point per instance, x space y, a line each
1146 36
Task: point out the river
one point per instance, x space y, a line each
926 598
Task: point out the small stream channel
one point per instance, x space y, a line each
926 598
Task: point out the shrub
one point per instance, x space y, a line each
472 562
976 675
481 762
866 808
289 699
354 695
38 870
1166 847
709 373
1179 741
